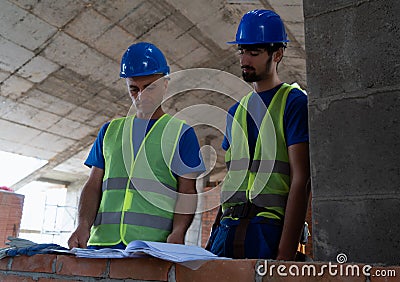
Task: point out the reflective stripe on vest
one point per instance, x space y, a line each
265 180
133 218
139 193
148 185
259 166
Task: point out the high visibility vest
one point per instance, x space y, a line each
138 193
265 180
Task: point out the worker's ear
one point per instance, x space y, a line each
278 55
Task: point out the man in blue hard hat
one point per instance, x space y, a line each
265 193
143 166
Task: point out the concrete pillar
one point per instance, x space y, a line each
71 209
353 78
193 235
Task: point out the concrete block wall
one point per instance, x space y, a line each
11 206
353 70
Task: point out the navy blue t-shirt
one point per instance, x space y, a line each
295 118
187 158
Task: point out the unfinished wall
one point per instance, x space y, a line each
11 205
353 77
47 268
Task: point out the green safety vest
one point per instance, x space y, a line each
265 180
138 193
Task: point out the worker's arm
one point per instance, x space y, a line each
88 206
184 209
297 203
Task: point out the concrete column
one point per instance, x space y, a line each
193 235
71 208
353 77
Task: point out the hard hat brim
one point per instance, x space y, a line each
253 42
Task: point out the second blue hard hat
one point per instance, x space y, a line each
142 59
260 26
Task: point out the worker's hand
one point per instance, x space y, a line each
79 238
176 238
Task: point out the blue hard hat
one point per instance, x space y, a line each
143 59
260 26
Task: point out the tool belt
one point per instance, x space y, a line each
245 212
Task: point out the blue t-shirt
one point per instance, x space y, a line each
295 118
187 158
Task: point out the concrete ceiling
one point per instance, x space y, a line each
59 70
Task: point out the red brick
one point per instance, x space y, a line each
4 263
36 263
212 204
11 205
218 270
71 265
140 268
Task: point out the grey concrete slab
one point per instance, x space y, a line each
194 58
114 95
71 129
24 4
30 116
356 138
12 56
81 114
64 49
113 42
17 134
18 25
51 142
98 67
117 9
348 51
14 87
6 105
362 228
9 146
118 87
144 18
38 69
34 152
4 75
88 26
57 13
98 120
313 8
91 63
75 164
46 102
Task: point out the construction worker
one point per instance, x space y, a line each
265 192
142 166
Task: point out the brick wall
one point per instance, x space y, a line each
208 217
11 205
46 268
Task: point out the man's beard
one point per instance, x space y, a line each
251 77
254 77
